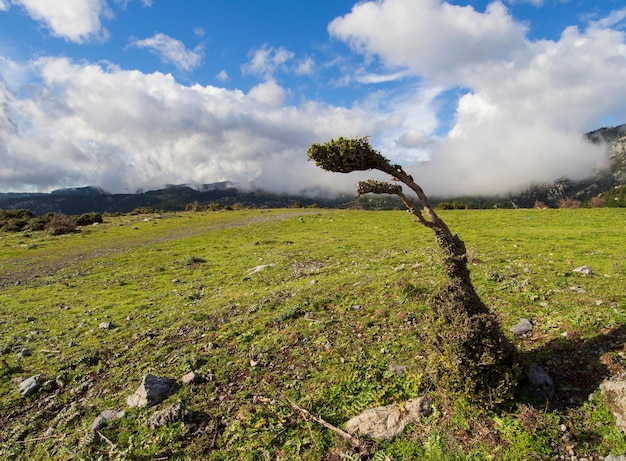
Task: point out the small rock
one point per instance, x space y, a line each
564 428
614 393
106 415
523 326
192 378
253 363
31 385
30 318
173 413
105 325
387 422
81 388
25 352
539 382
397 369
153 389
585 270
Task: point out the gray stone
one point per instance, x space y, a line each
539 382
585 270
397 369
153 389
31 385
614 393
192 378
523 326
173 413
24 352
615 458
105 325
387 422
103 417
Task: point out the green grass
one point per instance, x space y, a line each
340 298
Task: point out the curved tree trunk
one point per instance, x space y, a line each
468 353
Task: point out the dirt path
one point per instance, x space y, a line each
28 269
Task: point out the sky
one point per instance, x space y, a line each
471 97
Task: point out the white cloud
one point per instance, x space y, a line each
266 61
222 76
433 39
269 94
4 5
531 2
616 18
74 20
171 51
306 66
123 4
525 104
125 130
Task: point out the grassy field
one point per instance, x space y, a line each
308 305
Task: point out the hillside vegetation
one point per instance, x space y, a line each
321 308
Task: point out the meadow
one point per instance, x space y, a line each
313 306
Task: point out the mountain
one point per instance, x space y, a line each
599 183
79 200
76 201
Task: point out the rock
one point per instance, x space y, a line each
397 369
538 382
24 352
171 414
192 378
31 385
615 458
585 270
523 326
82 388
153 389
105 325
387 422
103 417
614 393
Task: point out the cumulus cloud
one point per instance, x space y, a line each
171 51
123 130
431 38
267 60
306 66
4 5
74 20
524 103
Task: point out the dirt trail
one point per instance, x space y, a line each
29 268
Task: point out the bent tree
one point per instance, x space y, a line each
468 353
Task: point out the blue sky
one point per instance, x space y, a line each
472 96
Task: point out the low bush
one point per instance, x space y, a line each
60 224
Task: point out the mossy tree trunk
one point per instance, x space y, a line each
468 354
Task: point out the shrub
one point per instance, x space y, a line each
569 202
597 202
88 219
60 224
14 220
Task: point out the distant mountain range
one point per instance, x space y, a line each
76 201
